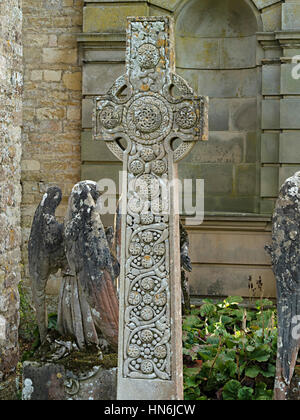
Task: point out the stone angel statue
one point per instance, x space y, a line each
88 305
285 253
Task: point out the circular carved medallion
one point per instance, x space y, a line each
147 336
147 283
109 117
148 118
148 56
186 117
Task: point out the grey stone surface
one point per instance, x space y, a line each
289 147
88 304
87 110
222 147
243 114
210 172
289 113
232 52
286 171
148 117
93 152
246 179
98 78
290 85
269 181
271 114
219 115
271 80
251 147
206 52
209 19
265 3
291 16
49 381
285 254
270 147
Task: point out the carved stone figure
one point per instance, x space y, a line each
88 304
149 117
46 253
285 253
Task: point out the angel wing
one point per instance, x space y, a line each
45 252
285 253
90 259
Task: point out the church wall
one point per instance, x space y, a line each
51 106
10 188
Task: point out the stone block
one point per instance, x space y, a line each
291 16
101 171
230 280
270 147
267 205
30 165
223 83
36 75
219 115
52 75
251 153
95 151
205 53
110 17
261 4
72 81
271 114
226 83
222 147
286 171
59 56
228 247
243 115
87 112
246 179
269 181
272 19
289 147
290 79
233 52
218 177
289 113
271 80
50 381
98 78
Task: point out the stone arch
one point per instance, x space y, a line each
216 50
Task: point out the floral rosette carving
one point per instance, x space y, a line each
148 307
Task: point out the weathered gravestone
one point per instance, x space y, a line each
149 107
285 253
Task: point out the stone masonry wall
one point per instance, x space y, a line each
10 188
52 105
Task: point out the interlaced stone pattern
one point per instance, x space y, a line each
148 116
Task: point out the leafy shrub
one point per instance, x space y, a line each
230 352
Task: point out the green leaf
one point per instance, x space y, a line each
262 393
252 371
233 300
231 390
245 393
191 321
207 309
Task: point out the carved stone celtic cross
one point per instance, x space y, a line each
149 107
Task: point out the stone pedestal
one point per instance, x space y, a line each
51 381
